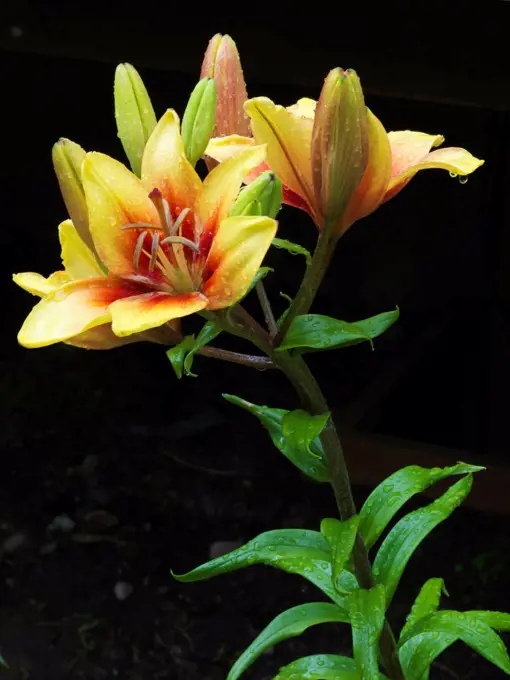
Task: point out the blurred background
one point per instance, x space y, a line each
113 471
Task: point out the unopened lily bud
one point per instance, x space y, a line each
339 145
262 197
198 120
67 161
222 62
134 114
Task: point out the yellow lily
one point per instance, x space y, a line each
165 239
394 158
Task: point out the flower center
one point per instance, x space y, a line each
178 267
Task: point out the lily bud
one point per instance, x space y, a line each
262 197
198 120
67 161
222 62
339 145
134 114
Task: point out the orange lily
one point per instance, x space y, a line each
394 158
166 240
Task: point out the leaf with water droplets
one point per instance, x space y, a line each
321 667
386 500
177 354
293 248
448 626
426 602
318 332
340 536
398 546
294 433
367 608
296 551
290 623
181 356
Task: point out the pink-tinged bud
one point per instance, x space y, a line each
339 145
222 62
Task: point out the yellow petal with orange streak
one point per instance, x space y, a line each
411 153
221 186
39 285
150 310
115 197
235 257
288 138
71 310
165 166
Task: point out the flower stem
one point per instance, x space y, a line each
267 309
313 400
311 281
251 360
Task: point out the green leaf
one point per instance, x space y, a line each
427 602
497 620
340 536
386 500
320 667
209 331
367 621
296 445
398 546
293 248
419 653
465 626
315 331
296 551
177 354
290 623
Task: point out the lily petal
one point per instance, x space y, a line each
235 257
115 197
72 309
102 337
222 148
39 285
372 189
304 108
165 166
222 185
150 310
288 138
79 261
411 153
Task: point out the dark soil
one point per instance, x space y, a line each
152 475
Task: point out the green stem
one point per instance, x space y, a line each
266 309
313 400
311 281
251 360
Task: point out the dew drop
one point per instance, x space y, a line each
463 180
453 174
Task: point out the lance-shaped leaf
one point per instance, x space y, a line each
398 546
321 667
294 433
341 537
290 623
181 356
367 621
419 653
198 120
296 551
426 603
134 114
465 626
318 332
386 499
292 248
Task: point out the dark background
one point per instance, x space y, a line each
115 436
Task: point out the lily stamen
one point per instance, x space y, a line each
182 240
138 250
179 221
138 225
154 252
161 205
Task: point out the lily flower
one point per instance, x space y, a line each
165 240
393 159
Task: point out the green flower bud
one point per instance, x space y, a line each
198 120
263 196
